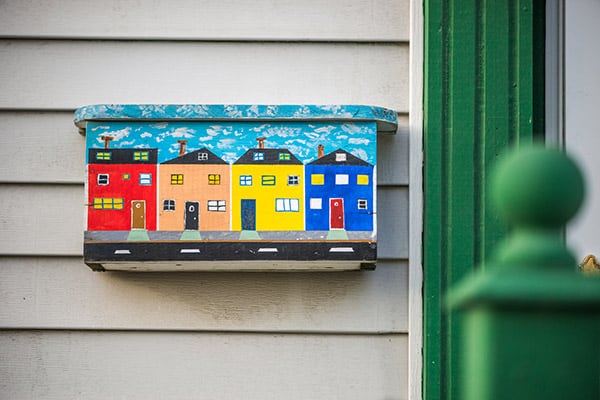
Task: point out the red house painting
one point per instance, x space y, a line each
122 189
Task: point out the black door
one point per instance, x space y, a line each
191 215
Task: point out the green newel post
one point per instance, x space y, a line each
531 320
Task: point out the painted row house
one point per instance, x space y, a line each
268 187
264 190
194 187
339 194
122 189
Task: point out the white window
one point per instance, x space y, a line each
293 180
245 180
287 205
258 156
168 205
363 204
340 157
316 204
145 179
202 156
216 205
341 179
103 179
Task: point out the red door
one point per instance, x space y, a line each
336 220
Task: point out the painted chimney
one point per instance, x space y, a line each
320 151
107 140
261 142
182 144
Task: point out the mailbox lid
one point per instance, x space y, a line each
386 119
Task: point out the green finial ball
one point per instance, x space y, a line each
537 187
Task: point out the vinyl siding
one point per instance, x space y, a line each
69 332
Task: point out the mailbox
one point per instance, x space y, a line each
231 187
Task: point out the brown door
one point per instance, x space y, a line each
138 214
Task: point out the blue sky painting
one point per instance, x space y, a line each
231 139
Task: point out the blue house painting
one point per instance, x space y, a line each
339 192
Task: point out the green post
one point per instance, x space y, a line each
531 320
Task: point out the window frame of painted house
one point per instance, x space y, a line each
362 179
214 179
169 205
268 180
362 204
287 204
293 180
145 179
104 155
103 179
317 179
141 155
176 179
315 203
246 180
108 203
216 205
342 179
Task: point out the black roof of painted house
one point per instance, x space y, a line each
331 159
192 158
122 156
271 156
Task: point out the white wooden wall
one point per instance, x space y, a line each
582 101
68 332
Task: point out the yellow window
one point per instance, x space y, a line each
317 179
362 179
268 180
126 177
176 179
108 203
140 155
214 179
103 156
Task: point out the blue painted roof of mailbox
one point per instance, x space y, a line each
386 119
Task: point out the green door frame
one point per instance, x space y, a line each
483 91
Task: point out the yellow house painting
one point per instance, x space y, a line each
267 190
194 192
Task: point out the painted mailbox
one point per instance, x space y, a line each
231 187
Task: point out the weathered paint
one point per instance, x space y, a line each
482 92
239 174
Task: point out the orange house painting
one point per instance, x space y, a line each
194 190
